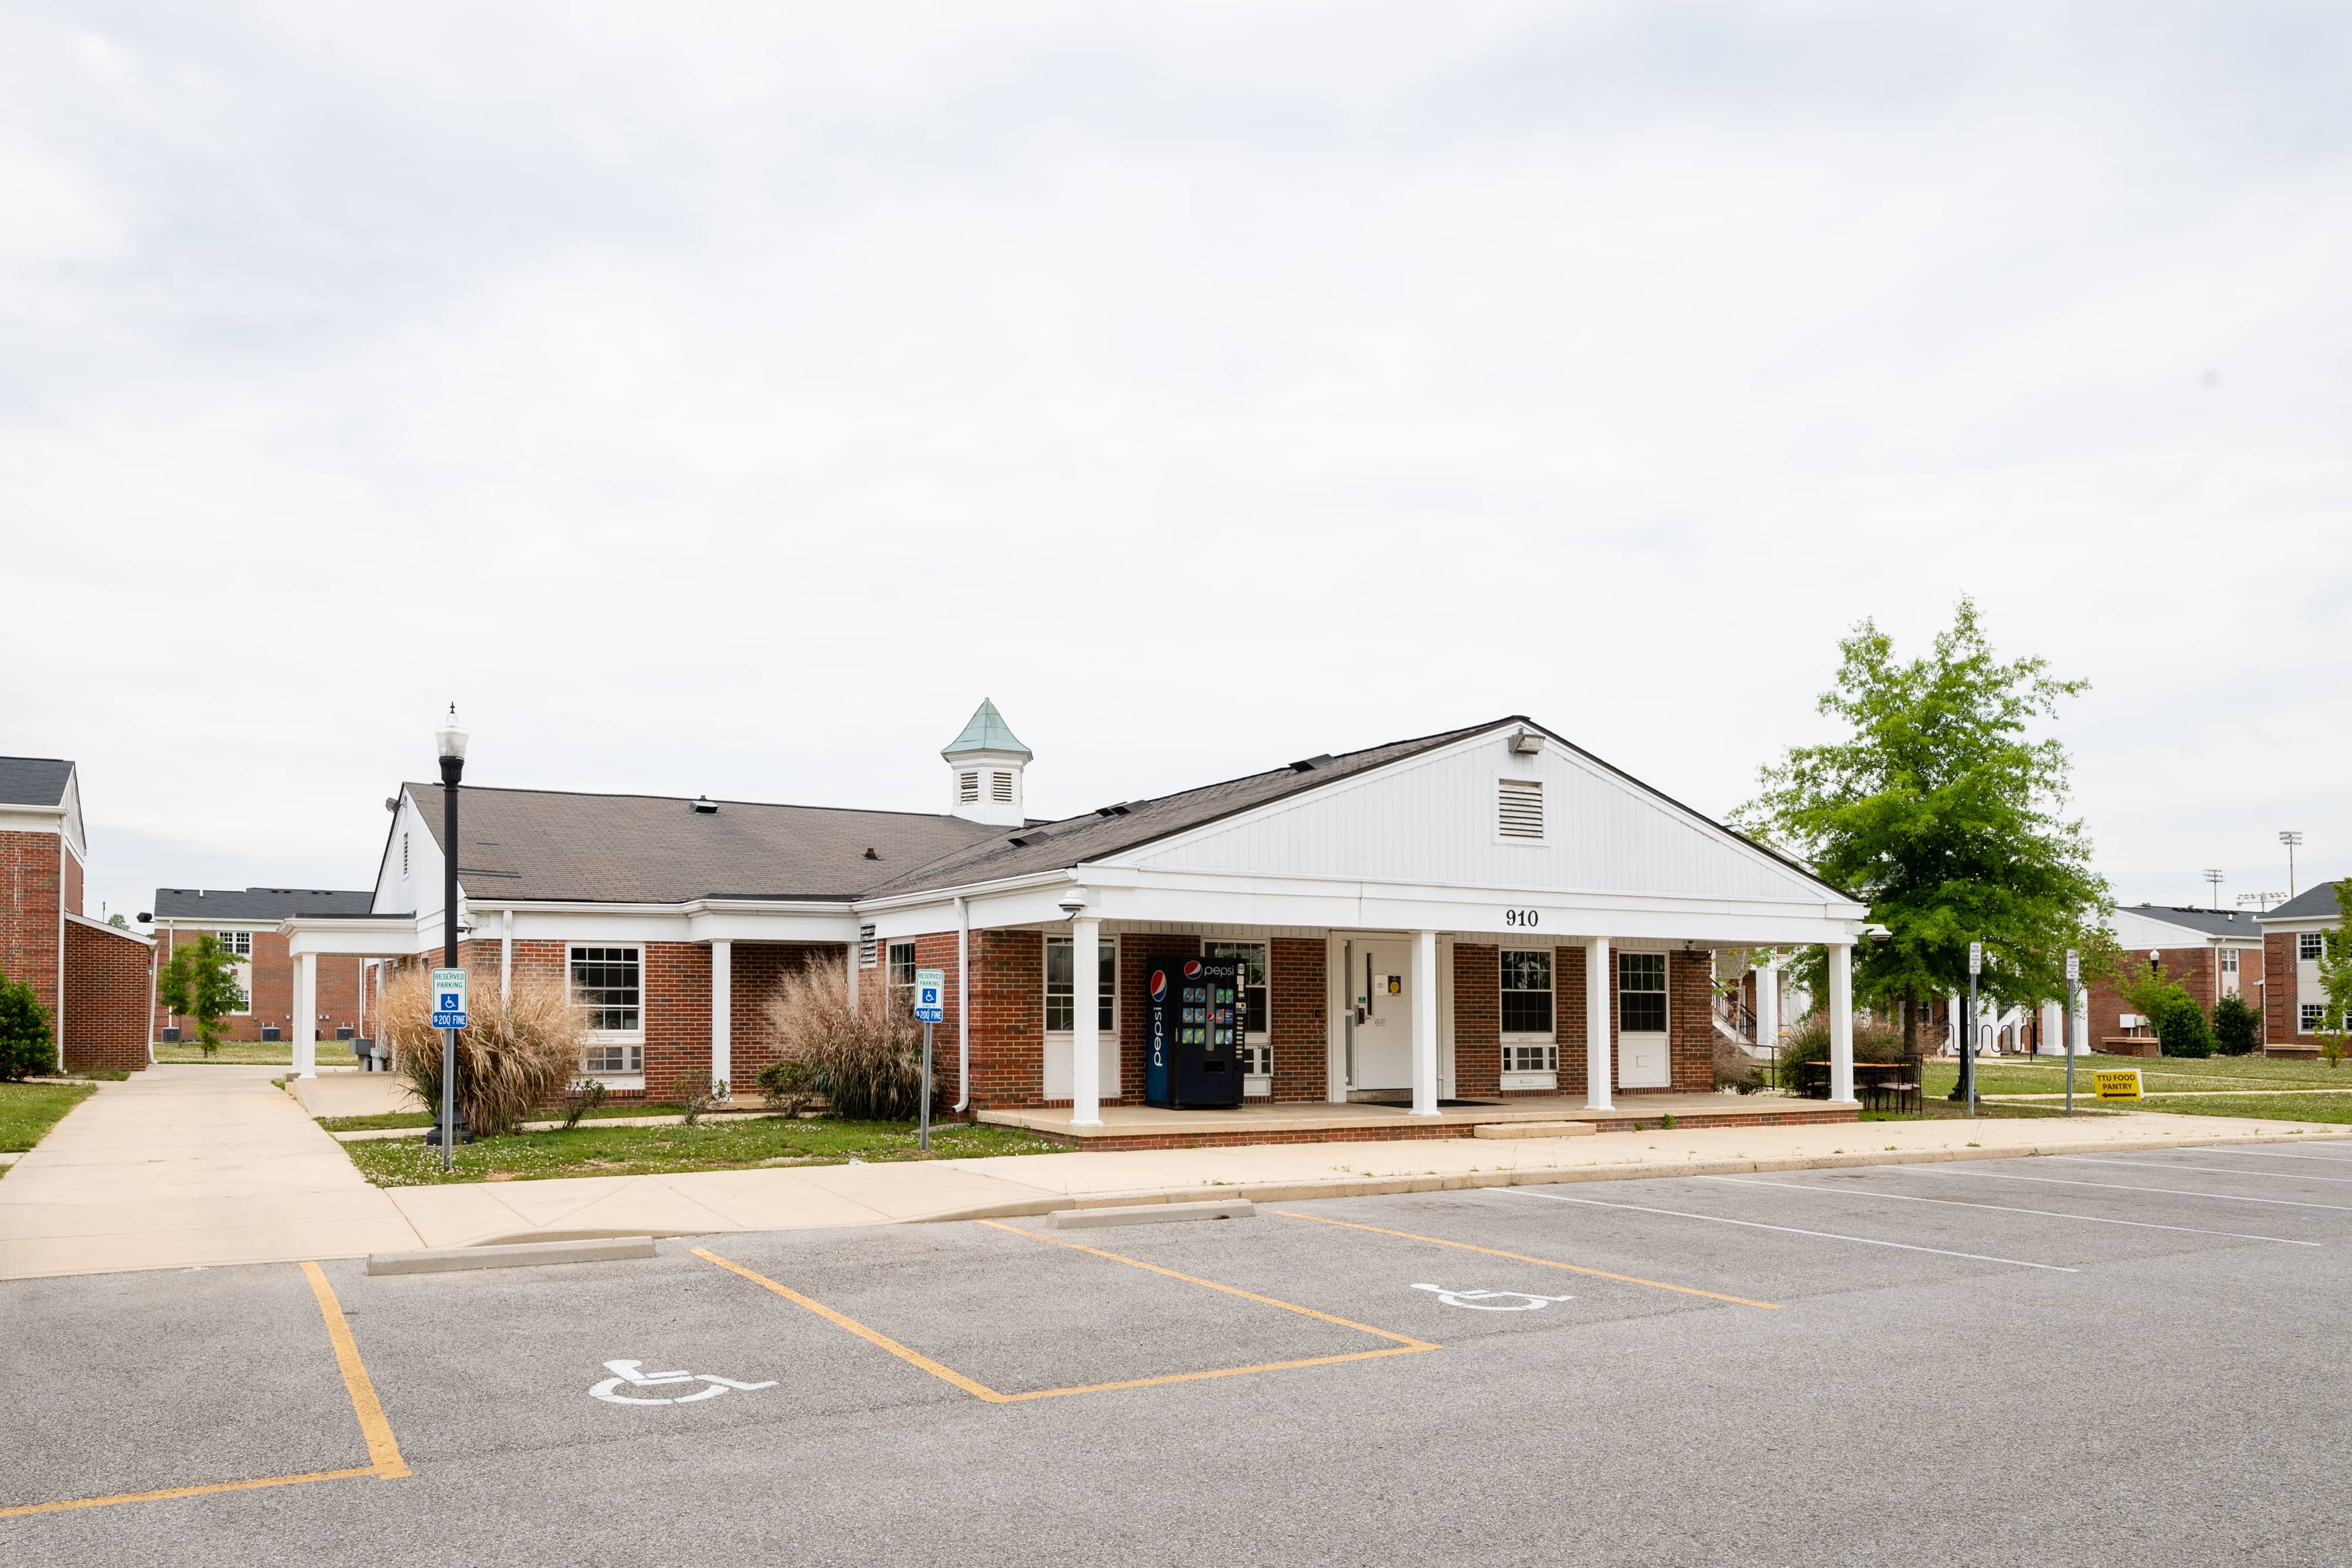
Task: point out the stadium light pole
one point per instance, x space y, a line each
450 741
2215 875
2290 839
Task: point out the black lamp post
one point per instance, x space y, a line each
450 741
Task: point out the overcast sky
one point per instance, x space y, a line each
725 399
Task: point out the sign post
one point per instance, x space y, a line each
2066 1038
449 1016
1967 1088
930 986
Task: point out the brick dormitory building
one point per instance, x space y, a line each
1488 915
247 922
92 977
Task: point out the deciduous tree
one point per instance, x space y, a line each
199 982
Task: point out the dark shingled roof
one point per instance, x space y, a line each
255 903
1049 846
2312 903
550 844
2213 922
34 780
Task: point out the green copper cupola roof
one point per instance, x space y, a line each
987 731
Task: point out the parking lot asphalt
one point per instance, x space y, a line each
2133 1359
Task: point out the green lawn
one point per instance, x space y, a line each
726 1143
2162 1077
29 1110
426 1118
245 1053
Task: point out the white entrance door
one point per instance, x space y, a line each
1380 987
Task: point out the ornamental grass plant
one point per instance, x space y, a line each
865 1058
517 1053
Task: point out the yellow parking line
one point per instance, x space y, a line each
383 1452
1405 1345
24 1508
1523 1258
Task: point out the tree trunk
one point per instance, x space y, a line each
1910 1026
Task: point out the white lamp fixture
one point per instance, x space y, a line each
449 741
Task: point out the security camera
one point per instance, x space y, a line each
1073 901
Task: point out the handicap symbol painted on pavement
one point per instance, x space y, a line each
631 1373
1494 1301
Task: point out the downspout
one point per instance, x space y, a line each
963 1003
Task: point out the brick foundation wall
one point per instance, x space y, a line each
1478 1021
30 913
106 1000
1298 991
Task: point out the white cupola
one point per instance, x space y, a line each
984 765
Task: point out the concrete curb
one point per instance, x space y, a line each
1149 1214
515 1255
1463 1181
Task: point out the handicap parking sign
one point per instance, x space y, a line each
448 998
930 986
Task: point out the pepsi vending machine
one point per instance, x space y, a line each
1196 1017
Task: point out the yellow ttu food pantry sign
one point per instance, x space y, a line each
2116 1083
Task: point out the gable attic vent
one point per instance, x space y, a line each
1519 809
865 946
968 787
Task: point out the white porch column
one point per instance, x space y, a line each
306 1016
506 955
1767 1004
722 1013
1086 1022
2054 1030
1424 1023
2079 1034
1597 1076
1841 1023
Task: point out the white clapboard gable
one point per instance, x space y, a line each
1478 815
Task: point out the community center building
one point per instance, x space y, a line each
1485 916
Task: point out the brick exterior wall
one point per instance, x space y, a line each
1298 991
2279 990
106 1000
73 873
758 972
1008 1018
1568 1017
2198 968
1690 1022
30 912
1478 1021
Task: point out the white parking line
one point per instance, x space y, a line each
2274 1155
2218 1170
2005 1209
1785 1230
2119 1187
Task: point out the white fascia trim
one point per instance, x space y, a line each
1565 898
366 936
1470 743
946 896
109 930
37 820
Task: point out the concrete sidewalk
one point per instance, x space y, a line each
812 1197
184 1166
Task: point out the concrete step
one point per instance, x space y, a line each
1533 1130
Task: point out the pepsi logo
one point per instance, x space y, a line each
1191 968
1159 984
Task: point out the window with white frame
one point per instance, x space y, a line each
2310 944
2312 1018
1642 993
901 974
404 854
238 942
2228 960
1528 1043
609 982
1062 985
238 945
1257 1043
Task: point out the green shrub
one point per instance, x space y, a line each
2237 1028
788 1085
2180 1027
1809 1041
26 1046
